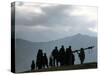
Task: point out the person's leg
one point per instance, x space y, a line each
57 62
54 61
81 62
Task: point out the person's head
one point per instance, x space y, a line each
62 46
55 47
40 50
32 61
70 47
82 49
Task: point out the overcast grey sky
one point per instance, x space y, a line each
41 22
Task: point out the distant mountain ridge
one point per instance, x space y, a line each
26 51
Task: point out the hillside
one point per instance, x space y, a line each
26 51
70 67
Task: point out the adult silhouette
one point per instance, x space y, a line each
81 55
62 56
45 61
67 56
55 56
70 58
39 62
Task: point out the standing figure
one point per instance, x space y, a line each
55 56
67 56
32 65
45 61
62 56
81 55
39 60
70 58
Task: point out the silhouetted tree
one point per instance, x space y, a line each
55 56
45 61
81 55
62 55
39 62
50 61
32 65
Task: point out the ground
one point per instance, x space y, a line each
70 67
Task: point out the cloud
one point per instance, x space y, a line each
93 29
54 21
89 12
44 14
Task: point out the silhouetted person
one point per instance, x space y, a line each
67 56
39 62
45 61
50 61
55 56
32 65
82 55
70 58
62 55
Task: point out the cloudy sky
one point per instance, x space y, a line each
39 22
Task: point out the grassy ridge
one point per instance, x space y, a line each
70 67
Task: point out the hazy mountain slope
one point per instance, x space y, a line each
26 51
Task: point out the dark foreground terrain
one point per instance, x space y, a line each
70 67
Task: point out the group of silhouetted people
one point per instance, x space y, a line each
62 56
58 57
42 60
